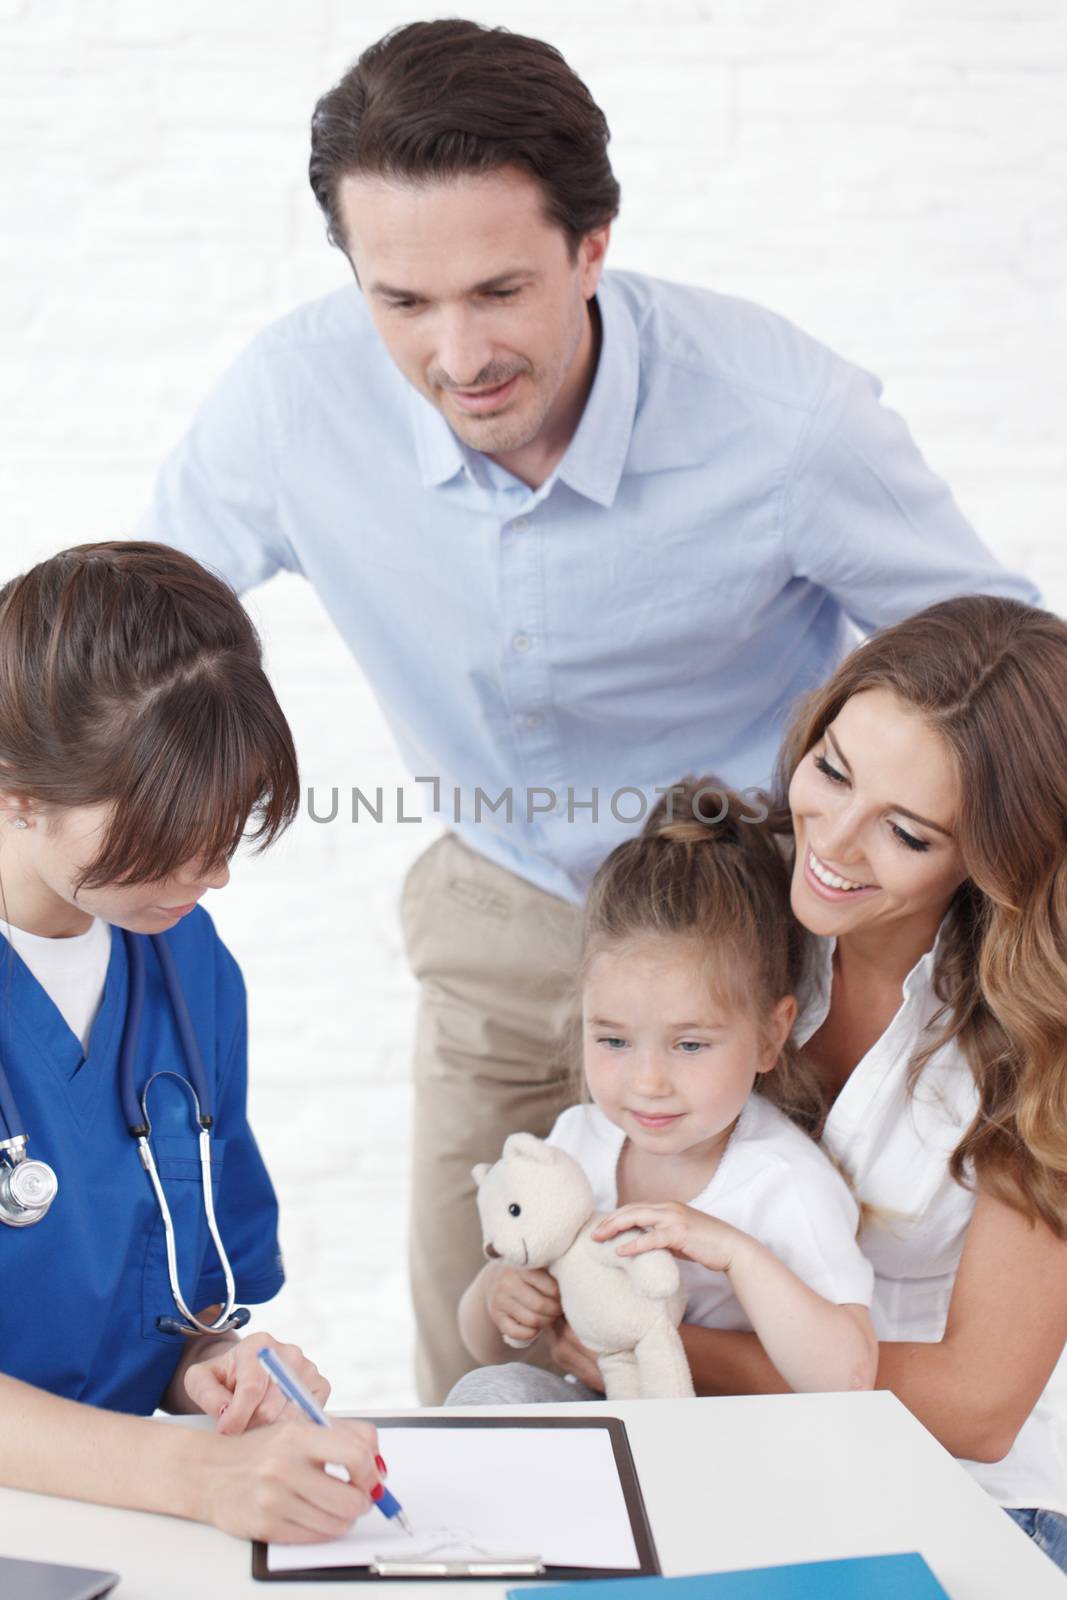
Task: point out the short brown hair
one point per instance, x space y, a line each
130 676
436 100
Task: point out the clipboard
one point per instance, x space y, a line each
528 1567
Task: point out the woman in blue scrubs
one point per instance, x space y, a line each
139 738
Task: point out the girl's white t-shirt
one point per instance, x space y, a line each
894 1147
71 971
773 1182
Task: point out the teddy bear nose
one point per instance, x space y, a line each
492 1252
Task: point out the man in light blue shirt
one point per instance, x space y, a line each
584 531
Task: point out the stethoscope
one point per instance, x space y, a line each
28 1187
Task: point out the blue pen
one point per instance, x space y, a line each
294 1390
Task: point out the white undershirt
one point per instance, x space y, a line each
70 971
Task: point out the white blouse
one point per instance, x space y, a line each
772 1182
894 1146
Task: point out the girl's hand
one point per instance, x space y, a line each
680 1229
521 1302
571 1355
272 1484
231 1385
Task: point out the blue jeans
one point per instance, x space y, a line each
1048 1530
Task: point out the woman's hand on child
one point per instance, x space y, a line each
521 1301
681 1229
232 1386
272 1484
569 1354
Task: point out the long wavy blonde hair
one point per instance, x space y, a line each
990 677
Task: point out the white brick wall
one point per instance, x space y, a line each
892 177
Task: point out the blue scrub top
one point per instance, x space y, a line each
80 1290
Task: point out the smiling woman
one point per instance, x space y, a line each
947 802
927 793
866 858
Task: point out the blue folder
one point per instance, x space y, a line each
905 1577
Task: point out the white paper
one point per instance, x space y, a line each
547 1492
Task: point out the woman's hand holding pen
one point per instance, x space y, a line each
521 1302
272 1484
681 1229
230 1384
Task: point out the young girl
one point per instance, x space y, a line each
689 968
138 734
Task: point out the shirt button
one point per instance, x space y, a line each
534 720
521 642
521 524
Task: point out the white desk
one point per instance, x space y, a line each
728 1483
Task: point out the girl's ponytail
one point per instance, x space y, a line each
707 867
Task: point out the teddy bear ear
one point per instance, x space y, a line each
480 1173
528 1144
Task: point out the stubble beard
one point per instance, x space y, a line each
499 435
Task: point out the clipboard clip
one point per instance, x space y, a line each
475 1567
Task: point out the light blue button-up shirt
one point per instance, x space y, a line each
734 500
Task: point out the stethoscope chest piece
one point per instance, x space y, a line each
27 1188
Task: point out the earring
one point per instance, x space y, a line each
19 822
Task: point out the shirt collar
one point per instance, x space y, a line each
439 453
593 463
594 460
815 995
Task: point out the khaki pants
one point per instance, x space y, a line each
496 961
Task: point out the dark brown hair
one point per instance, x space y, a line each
989 676
130 676
436 100
706 868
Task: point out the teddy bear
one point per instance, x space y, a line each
536 1209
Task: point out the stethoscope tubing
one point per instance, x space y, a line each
135 1112
144 1149
135 1109
186 1032
132 1107
10 1120
11 1123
